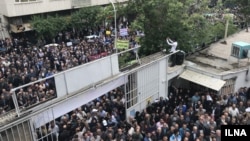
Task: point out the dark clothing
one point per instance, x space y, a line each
64 135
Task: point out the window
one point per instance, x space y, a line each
26 0
235 51
228 88
79 3
131 90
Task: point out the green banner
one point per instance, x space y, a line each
137 39
122 44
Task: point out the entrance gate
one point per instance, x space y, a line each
142 88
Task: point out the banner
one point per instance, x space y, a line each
123 32
122 44
137 39
108 32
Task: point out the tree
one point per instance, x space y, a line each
161 19
48 27
243 7
181 19
86 17
198 30
106 15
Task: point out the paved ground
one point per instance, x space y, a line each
224 50
217 57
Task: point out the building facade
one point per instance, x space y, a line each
15 14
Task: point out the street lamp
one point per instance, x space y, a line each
115 24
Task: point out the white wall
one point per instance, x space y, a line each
3 6
42 6
163 78
152 83
74 102
79 79
175 72
89 74
10 8
3 27
148 81
102 2
241 81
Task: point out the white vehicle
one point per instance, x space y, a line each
91 36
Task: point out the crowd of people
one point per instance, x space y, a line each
22 63
185 115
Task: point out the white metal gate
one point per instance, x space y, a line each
142 88
17 132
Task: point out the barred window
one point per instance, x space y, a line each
131 90
228 87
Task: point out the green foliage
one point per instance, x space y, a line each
243 6
48 27
85 17
158 22
197 28
106 14
181 19
232 28
126 59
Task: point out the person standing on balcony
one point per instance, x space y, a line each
173 43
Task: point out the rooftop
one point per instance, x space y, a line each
217 57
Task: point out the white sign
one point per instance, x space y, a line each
69 44
123 32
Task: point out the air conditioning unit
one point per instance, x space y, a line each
240 49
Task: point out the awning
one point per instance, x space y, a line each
204 80
20 28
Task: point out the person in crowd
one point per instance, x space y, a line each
175 136
233 111
96 121
194 133
53 128
21 63
183 129
195 98
181 116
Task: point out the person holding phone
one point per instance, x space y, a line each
173 43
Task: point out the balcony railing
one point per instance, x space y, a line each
47 91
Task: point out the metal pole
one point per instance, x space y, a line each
14 98
115 24
166 83
1 28
226 29
125 92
